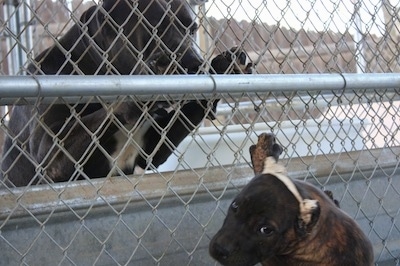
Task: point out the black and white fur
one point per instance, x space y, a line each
60 142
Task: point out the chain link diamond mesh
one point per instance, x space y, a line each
345 141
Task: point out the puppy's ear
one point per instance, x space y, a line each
308 217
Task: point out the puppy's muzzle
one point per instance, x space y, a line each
220 251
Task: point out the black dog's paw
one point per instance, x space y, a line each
209 108
233 61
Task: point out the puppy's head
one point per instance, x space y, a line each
264 221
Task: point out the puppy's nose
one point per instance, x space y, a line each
219 251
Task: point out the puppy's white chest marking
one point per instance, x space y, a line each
127 147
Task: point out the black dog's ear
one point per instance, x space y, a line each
309 214
88 14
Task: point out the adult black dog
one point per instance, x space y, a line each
59 142
279 221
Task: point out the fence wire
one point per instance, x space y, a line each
165 213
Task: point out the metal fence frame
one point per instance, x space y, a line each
51 87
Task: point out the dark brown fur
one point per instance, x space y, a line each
334 238
263 225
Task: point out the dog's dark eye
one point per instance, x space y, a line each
193 29
266 230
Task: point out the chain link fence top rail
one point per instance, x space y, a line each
336 118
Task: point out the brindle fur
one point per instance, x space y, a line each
262 225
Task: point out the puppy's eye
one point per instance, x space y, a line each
234 206
267 230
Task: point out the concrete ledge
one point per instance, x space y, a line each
19 202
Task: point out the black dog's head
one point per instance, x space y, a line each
131 33
262 222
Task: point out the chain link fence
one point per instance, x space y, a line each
339 131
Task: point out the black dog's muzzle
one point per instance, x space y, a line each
191 61
162 63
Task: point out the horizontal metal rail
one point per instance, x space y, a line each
298 101
74 88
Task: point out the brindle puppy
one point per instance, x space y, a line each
279 221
